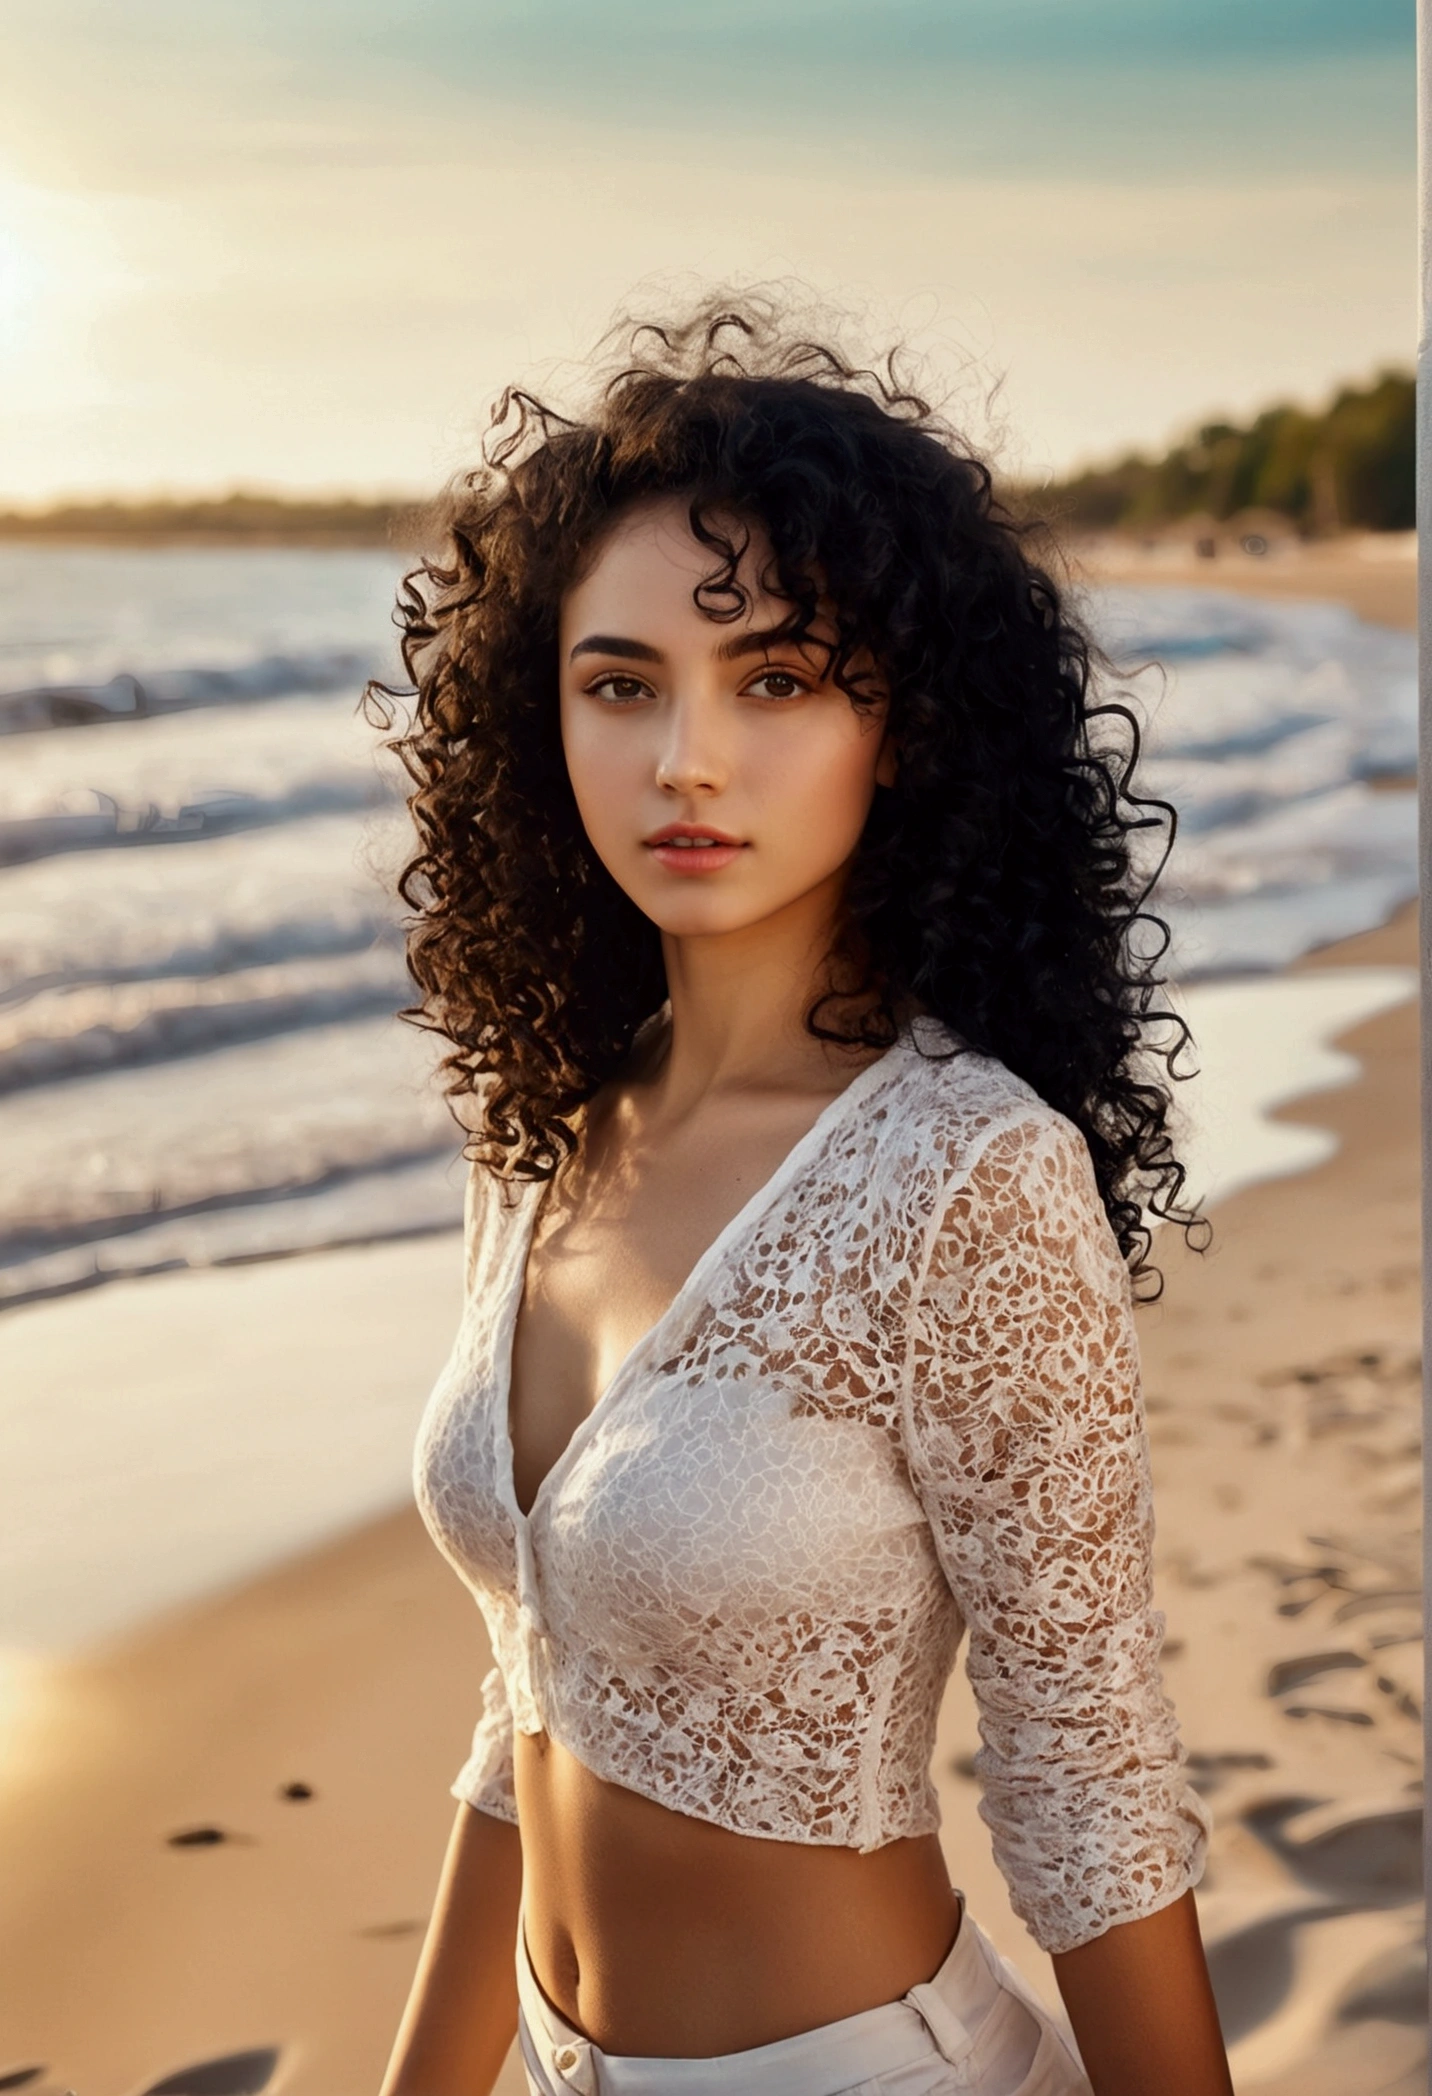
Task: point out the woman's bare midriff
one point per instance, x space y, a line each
662 1936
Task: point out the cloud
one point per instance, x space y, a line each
1079 87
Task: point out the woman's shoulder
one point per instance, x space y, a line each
960 1100
995 1163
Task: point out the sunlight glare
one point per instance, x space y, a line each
28 1685
22 277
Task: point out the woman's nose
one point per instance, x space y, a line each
691 760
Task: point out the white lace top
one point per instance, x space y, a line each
898 1397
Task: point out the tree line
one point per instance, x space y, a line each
241 518
1351 467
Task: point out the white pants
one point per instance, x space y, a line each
975 2027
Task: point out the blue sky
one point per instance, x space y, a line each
299 242
822 37
1094 31
1082 85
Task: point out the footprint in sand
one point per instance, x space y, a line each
1389 1989
1368 1859
1297 1673
206 1838
1253 1972
1352 1859
236 2074
26 2078
1208 1772
1252 1969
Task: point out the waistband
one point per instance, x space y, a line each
944 2013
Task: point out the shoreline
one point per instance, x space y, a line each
1381 589
230 1477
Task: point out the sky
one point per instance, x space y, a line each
302 243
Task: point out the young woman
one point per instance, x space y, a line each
775 896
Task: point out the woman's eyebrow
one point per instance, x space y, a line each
755 641
613 644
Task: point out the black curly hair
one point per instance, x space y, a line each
1000 881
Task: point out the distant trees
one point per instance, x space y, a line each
242 518
1352 467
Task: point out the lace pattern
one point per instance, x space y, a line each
898 1396
485 1778
1028 1452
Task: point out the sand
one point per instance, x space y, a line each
253 1412
1375 575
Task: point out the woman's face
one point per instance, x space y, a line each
722 778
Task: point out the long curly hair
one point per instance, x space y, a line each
1001 879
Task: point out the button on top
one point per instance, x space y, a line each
565 2060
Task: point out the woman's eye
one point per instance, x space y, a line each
777 684
617 689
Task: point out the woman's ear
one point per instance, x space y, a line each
887 764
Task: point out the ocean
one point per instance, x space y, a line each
200 955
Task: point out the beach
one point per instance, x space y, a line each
223 1776
1374 574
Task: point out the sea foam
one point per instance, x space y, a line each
200 942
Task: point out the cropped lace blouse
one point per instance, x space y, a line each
896 1400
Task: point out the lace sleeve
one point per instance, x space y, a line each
474 1201
1026 1441
485 1778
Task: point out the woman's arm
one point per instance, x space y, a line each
1142 2008
1026 1440
462 2013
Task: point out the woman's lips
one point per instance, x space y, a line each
685 849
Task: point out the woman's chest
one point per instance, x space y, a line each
596 1280
735 1426
610 1254
708 1483
749 1442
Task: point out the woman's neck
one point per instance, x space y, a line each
739 1002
